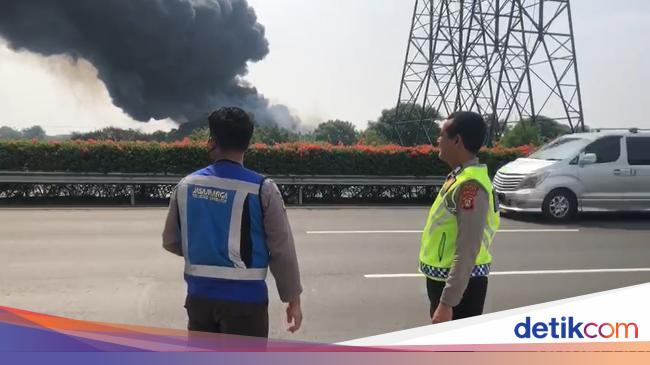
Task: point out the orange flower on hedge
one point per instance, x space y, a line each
259 146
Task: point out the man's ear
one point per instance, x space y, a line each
212 144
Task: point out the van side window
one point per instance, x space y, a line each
638 150
607 149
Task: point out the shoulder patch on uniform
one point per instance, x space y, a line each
467 196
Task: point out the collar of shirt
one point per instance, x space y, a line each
472 162
225 160
457 170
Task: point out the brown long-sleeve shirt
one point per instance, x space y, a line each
471 225
283 261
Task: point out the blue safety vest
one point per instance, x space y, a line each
224 244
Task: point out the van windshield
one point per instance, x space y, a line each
561 149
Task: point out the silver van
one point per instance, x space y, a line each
606 171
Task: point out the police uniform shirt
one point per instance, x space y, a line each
472 206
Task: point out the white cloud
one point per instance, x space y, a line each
59 94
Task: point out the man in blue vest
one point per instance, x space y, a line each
231 226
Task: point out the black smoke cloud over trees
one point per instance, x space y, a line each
158 58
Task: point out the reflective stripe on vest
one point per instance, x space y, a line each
438 245
226 273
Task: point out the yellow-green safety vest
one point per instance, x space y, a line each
438 247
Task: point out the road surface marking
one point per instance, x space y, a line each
419 231
521 273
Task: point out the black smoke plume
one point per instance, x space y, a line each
159 59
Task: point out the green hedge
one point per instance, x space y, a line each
185 157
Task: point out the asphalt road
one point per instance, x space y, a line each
358 266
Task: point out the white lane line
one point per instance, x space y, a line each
539 231
419 232
363 232
519 273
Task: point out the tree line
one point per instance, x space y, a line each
338 132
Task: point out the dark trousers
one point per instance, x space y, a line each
232 318
473 300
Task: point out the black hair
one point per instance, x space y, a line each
471 127
231 128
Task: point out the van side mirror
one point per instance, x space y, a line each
587 159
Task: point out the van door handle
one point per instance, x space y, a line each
623 172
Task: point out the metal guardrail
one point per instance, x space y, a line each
18 177
10 177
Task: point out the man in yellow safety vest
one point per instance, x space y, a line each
455 250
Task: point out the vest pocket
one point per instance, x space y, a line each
441 246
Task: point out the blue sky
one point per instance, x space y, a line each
343 59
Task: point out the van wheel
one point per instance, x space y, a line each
560 206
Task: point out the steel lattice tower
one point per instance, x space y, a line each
508 60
